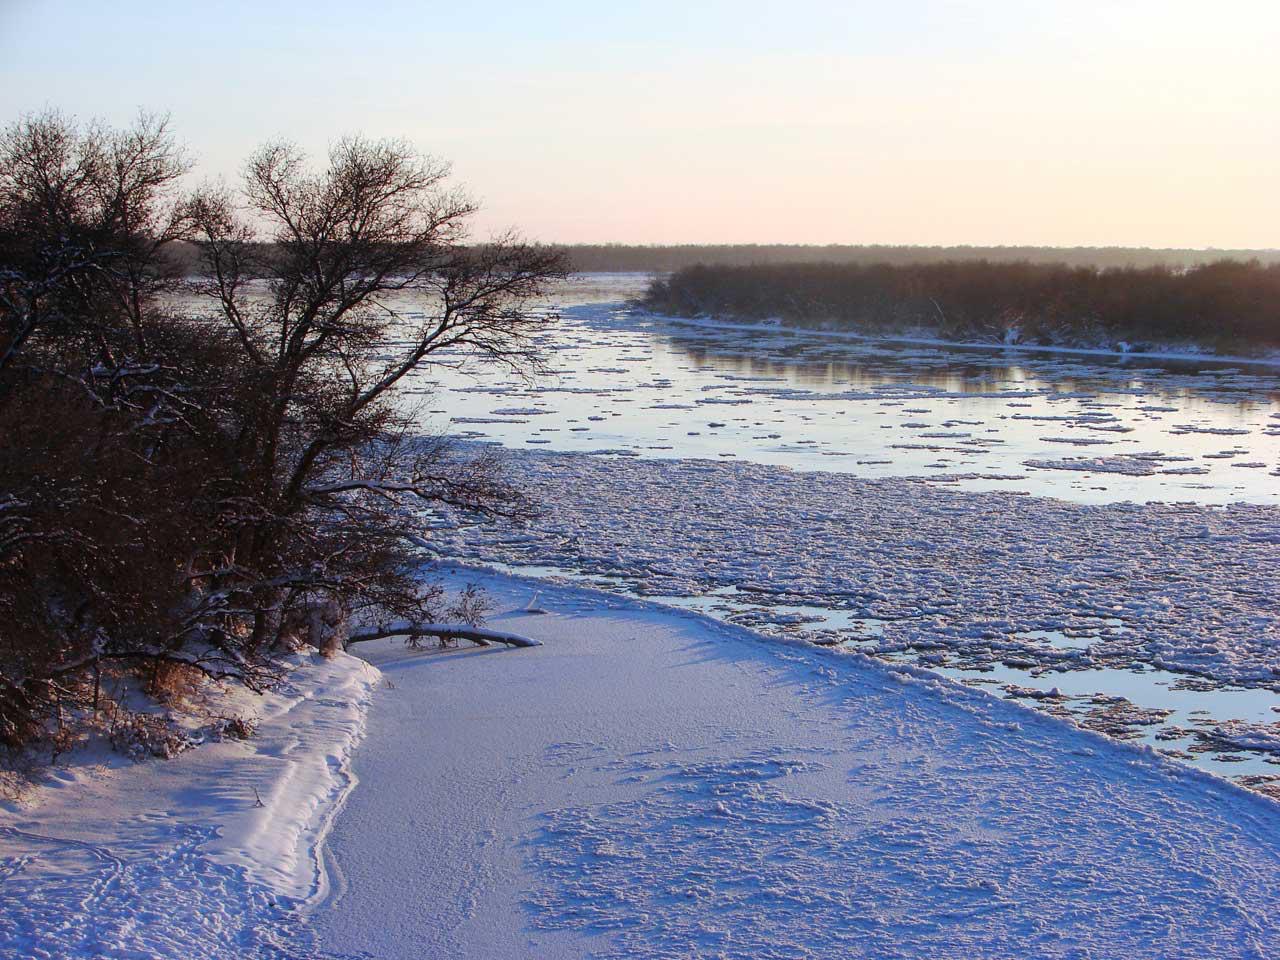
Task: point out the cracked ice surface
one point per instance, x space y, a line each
1185 588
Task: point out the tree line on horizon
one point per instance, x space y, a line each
666 258
1225 304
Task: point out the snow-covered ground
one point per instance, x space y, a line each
649 784
213 854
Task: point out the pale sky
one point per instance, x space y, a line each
1130 122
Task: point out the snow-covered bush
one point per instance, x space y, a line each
140 736
233 728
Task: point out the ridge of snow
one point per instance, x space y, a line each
316 725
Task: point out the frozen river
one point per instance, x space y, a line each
1175 646
1078 427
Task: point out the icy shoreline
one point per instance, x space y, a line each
1150 623
1160 584
509 587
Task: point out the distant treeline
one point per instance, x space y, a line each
616 257
1227 305
663 259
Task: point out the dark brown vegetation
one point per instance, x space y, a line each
212 484
1228 305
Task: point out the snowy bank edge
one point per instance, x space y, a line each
281 843
1188 355
981 704
264 805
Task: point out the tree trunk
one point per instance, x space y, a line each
445 631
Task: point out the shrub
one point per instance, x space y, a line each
1229 304
197 490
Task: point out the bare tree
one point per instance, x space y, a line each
92 517
206 485
85 215
363 278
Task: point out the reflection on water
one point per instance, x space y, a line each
1202 391
956 371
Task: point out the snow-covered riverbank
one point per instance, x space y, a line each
213 854
1185 587
649 784
646 784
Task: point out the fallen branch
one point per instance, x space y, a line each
445 631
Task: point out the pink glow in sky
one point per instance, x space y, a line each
1127 122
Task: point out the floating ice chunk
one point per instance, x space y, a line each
1184 428
1124 465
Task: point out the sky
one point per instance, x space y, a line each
1128 122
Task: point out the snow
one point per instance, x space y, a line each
1121 464
211 854
1236 734
650 784
645 784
